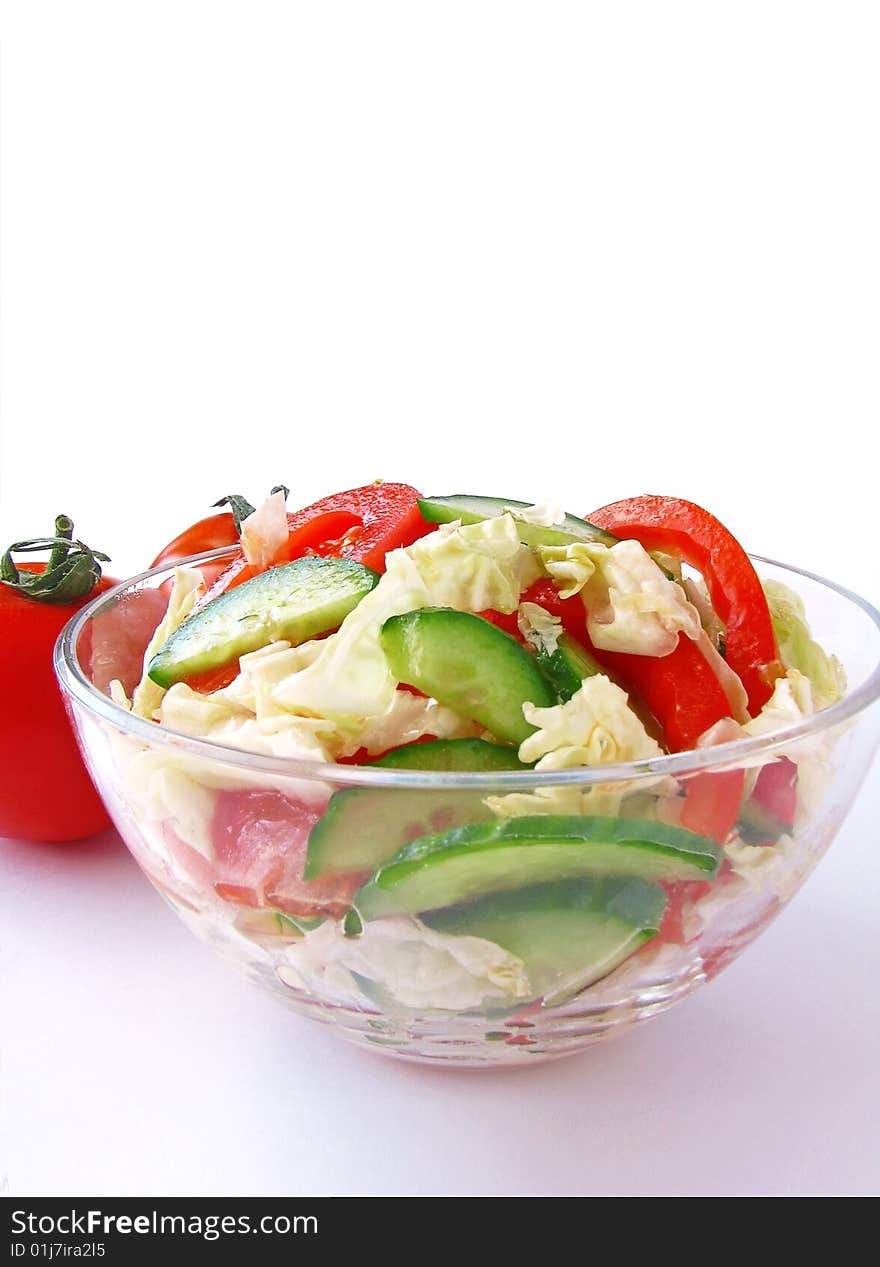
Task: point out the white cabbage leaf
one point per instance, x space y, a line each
264 534
544 514
417 966
187 589
595 727
798 649
631 605
540 628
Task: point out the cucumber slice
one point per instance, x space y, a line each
490 857
571 664
568 934
296 601
468 664
272 928
758 825
364 827
472 509
452 754
568 666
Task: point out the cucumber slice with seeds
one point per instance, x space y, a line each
491 857
295 601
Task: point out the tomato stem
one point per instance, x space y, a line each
72 571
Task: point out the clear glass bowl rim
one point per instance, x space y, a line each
77 686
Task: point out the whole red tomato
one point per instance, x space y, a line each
46 794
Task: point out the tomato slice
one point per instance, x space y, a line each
692 534
214 679
260 841
776 789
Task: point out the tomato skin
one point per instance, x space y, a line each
776 790
47 792
684 529
206 534
210 533
260 841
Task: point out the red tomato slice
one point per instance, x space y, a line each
678 896
776 790
214 679
260 841
692 534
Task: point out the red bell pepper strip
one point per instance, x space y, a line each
681 528
681 692
382 517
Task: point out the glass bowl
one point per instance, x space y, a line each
222 834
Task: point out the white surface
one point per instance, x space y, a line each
585 252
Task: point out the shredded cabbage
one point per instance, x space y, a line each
264 534
595 727
798 649
417 966
187 589
544 514
540 629
631 606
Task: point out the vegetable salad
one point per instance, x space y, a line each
482 635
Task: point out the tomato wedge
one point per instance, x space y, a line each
684 529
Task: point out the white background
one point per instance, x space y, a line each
528 249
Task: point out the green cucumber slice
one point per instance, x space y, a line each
468 664
269 927
364 827
452 754
295 601
567 666
490 857
568 934
473 509
757 825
